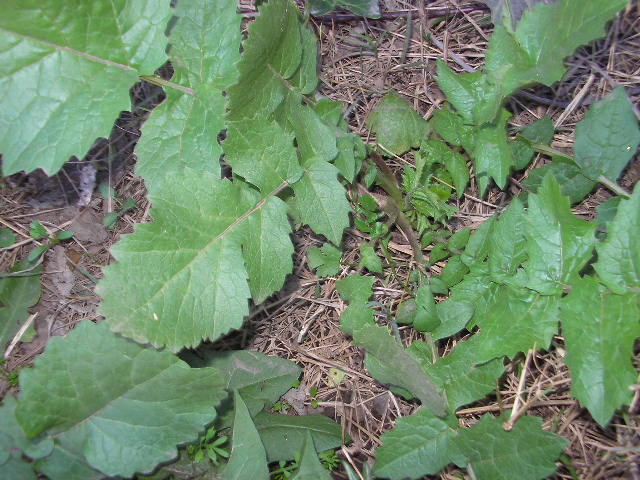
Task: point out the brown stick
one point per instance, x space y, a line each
431 12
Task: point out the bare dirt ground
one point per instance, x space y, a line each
361 60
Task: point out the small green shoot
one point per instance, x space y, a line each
38 232
210 447
126 205
7 237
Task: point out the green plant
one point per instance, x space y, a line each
38 232
125 206
217 242
210 446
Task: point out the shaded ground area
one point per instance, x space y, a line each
361 60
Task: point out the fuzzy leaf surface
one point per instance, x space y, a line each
398 127
122 406
618 262
71 64
193 259
283 435
181 133
248 458
420 444
527 452
558 243
599 329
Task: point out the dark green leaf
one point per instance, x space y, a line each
527 452
310 466
248 458
283 435
122 406
370 259
618 262
599 330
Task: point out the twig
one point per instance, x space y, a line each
19 335
516 411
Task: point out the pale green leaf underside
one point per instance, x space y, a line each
599 329
122 406
188 275
182 132
618 262
67 71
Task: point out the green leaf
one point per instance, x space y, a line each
248 457
260 379
618 262
437 151
558 243
355 288
325 260
466 92
397 126
573 183
16 295
608 137
310 466
61 68
509 12
321 203
599 330
7 237
539 132
507 249
492 155
454 271
67 462
607 212
370 259
282 435
37 230
478 245
426 319
420 444
454 316
122 407
462 375
13 437
535 52
366 8
533 316
451 127
401 369
181 133
195 259
527 452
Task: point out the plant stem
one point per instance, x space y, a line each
613 186
161 82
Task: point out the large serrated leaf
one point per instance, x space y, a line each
527 452
181 133
507 249
599 329
420 444
182 278
71 64
558 243
618 262
122 407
